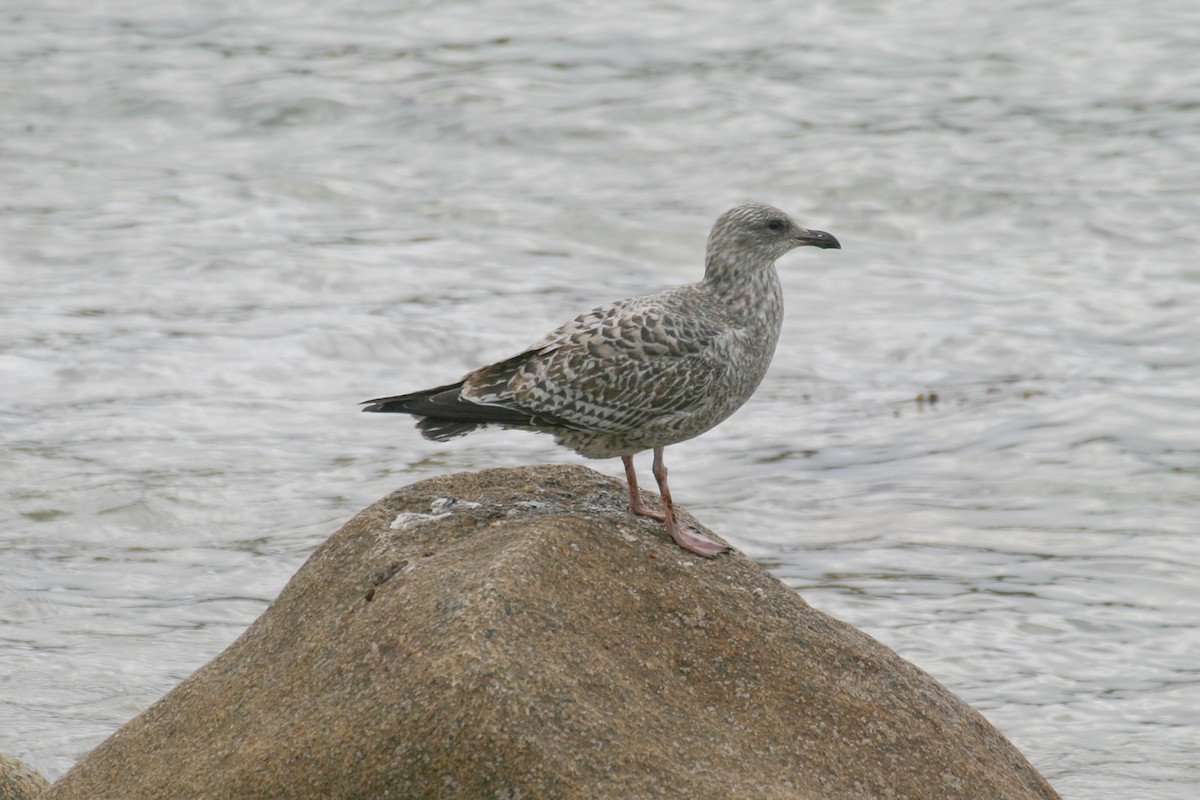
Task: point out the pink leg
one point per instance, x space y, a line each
635 497
685 537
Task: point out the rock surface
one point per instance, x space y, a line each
18 781
516 634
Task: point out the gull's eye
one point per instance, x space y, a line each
775 224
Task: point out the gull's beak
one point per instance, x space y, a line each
821 239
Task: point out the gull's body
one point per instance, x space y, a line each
642 373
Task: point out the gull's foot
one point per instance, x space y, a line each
694 542
642 511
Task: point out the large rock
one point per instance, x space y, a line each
516 634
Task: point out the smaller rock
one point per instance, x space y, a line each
18 781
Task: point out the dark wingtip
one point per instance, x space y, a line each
386 404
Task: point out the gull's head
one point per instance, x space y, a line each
759 232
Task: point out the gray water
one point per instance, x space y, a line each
226 223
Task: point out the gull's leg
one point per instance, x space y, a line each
635 497
685 537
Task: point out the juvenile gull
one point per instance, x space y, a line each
642 373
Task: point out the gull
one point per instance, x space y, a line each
642 373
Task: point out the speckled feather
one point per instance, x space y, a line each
644 372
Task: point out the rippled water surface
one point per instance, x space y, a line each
226 223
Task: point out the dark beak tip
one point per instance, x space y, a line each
821 239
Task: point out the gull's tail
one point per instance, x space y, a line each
445 414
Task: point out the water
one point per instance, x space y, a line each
225 224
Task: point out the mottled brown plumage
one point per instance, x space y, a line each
642 373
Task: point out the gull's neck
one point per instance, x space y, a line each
746 284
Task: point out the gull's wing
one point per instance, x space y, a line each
613 369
